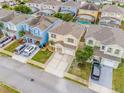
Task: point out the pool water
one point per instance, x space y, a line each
84 22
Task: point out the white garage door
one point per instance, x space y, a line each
110 63
69 51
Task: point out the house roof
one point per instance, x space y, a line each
37 1
72 3
41 22
66 28
65 45
89 6
5 15
112 8
19 18
106 35
53 2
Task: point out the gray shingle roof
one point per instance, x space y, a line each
112 8
89 6
106 35
66 28
19 18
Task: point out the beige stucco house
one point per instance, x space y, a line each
66 37
88 12
111 15
107 43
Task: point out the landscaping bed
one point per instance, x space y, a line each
12 46
82 72
7 89
118 78
42 56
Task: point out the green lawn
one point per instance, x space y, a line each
82 72
42 56
6 89
118 78
122 25
12 46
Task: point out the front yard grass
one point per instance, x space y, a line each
122 25
83 72
12 46
42 56
118 78
6 89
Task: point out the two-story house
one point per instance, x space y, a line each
12 26
66 37
50 7
36 30
46 7
70 7
107 43
111 15
88 13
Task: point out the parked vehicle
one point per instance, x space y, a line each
29 50
96 70
5 41
20 49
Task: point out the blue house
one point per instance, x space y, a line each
36 30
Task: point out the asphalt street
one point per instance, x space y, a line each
19 75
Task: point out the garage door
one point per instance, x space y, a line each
110 63
69 51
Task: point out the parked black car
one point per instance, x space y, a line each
96 70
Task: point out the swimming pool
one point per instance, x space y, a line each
84 22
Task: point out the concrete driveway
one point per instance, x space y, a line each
18 75
104 85
58 64
24 59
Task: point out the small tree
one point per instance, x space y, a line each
5 6
23 9
21 33
67 17
83 55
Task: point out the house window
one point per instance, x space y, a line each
90 42
117 51
70 40
53 35
103 47
109 50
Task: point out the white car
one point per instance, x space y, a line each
20 49
29 50
5 41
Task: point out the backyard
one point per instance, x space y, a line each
42 56
12 46
6 89
118 78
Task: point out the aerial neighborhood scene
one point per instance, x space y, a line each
61 46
